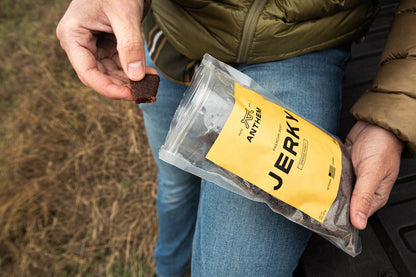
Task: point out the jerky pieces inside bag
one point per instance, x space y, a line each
232 132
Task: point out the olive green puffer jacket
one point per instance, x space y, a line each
261 30
256 31
391 102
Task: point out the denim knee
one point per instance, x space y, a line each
175 190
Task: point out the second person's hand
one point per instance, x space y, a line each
375 154
103 42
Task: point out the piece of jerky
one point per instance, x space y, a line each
145 90
210 137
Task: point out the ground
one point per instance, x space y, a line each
77 179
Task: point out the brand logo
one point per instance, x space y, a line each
247 117
256 124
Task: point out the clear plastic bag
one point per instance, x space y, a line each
198 121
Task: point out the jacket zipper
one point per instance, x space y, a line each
249 29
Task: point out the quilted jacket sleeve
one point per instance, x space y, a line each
391 102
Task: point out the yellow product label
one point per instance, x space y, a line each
279 152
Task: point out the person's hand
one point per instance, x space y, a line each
375 154
103 42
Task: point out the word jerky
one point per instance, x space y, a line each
285 161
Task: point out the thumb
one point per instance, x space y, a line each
362 198
130 45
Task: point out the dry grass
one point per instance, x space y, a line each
77 180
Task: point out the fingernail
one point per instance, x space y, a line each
362 218
136 70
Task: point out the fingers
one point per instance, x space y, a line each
371 192
125 21
97 62
91 73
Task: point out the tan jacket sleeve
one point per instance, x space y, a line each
391 102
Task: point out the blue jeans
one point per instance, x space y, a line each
226 234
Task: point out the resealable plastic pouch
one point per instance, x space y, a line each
232 132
